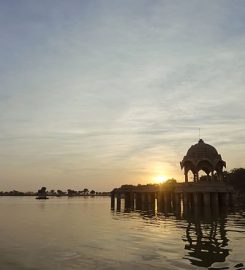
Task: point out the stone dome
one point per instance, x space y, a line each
202 150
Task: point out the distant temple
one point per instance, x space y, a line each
202 156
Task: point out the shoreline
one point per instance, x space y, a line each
33 195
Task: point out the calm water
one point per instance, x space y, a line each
83 233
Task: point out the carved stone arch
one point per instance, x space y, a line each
206 166
189 166
203 175
219 170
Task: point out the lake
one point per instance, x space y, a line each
84 233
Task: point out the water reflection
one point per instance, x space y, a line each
204 231
205 237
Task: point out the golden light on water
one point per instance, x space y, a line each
159 179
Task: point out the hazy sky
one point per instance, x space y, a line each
102 93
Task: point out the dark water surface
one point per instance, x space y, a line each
83 233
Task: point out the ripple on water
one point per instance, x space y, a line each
84 234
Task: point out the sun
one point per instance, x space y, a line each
159 179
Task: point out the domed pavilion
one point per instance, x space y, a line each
203 156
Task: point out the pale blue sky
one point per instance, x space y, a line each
101 93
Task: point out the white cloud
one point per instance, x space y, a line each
114 89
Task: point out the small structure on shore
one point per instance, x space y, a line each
42 194
211 193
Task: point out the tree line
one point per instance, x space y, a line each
235 178
57 193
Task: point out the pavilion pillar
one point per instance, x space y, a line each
131 200
138 200
232 198
196 177
215 199
143 200
112 200
177 199
118 202
167 200
185 199
225 199
159 201
151 200
177 204
127 200
197 199
172 199
206 199
186 177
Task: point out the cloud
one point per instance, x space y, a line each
117 89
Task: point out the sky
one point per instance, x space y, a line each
97 94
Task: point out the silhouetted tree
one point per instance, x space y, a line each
236 178
171 181
60 192
42 190
70 192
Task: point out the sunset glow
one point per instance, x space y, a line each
113 90
159 179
